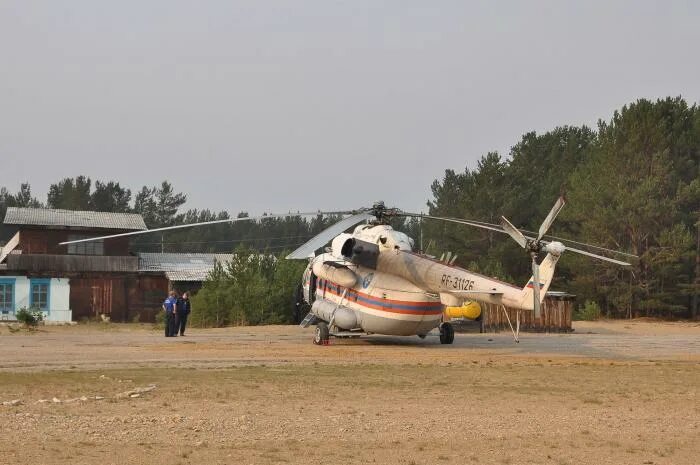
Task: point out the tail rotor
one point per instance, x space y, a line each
534 246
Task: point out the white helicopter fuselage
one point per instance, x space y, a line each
378 302
372 281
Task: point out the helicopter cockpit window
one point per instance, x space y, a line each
401 241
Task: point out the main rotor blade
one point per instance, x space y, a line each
597 247
536 286
203 223
599 257
493 227
327 234
548 236
544 227
513 232
476 224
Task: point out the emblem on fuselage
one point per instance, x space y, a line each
367 280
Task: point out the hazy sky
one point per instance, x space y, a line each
296 105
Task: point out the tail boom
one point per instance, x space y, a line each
547 267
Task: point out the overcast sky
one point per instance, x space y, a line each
297 105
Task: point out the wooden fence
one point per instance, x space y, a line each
555 316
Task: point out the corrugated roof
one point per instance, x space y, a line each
182 266
187 275
71 218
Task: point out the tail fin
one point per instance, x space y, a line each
546 274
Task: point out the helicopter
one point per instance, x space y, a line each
372 281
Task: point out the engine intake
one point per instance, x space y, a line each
357 251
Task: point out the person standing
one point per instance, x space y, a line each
183 311
170 308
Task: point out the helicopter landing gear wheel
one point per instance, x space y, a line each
447 333
321 335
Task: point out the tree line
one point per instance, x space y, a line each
162 206
632 184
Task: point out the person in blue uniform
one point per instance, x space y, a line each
183 311
170 307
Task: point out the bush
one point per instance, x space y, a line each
160 319
29 318
589 312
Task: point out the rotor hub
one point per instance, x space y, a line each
382 213
534 247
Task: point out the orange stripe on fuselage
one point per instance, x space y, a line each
353 294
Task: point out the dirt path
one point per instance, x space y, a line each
611 393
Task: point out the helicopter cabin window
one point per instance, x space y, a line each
85 248
401 241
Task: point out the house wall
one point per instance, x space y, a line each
121 297
45 241
145 296
58 265
59 297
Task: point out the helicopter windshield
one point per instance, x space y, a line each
400 240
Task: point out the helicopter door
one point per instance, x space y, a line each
308 284
312 288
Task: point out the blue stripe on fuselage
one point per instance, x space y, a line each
417 307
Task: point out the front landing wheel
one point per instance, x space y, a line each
322 335
447 333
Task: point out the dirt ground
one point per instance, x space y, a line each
623 392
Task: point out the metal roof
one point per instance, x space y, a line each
182 266
71 218
187 275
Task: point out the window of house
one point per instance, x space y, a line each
40 294
7 295
85 248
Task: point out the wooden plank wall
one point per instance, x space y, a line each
555 317
145 295
41 263
121 298
45 241
92 297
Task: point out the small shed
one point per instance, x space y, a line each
184 271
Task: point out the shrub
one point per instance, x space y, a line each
589 312
160 319
29 318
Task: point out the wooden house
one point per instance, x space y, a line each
79 280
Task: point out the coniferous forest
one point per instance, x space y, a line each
632 184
